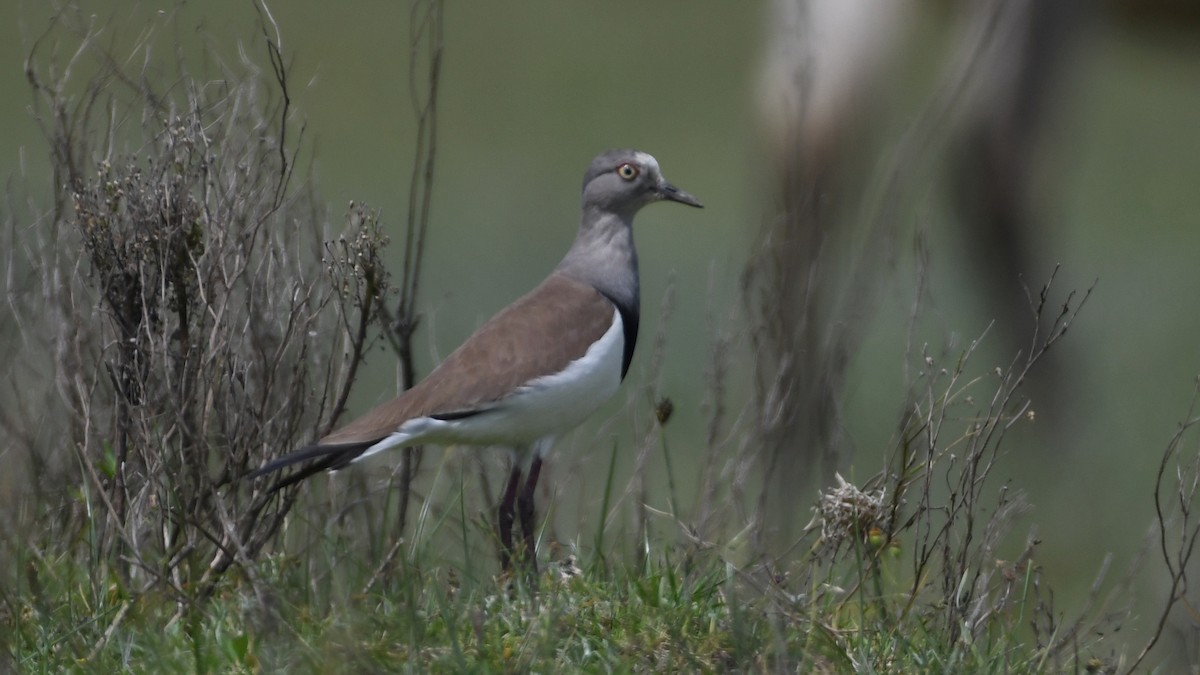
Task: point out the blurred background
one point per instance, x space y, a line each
996 144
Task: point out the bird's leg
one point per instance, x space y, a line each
506 516
527 512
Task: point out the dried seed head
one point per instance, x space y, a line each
663 410
846 512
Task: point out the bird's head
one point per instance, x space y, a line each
623 181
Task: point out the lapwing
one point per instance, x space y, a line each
535 370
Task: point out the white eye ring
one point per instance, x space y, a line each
628 171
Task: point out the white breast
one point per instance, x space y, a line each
542 408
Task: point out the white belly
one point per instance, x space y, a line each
555 404
543 408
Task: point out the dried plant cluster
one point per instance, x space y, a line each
849 515
926 543
197 326
944 504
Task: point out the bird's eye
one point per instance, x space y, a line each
627 171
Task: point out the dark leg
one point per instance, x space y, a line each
528 513
506 516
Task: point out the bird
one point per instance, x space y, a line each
535 370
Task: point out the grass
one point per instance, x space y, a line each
695 616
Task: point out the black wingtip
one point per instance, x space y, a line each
303 454
329 458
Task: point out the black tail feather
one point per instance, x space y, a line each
329 458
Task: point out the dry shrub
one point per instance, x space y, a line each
197 325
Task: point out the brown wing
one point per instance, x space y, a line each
537 335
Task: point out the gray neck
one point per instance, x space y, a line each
603 256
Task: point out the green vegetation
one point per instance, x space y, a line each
696 613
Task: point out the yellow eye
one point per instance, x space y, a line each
627 171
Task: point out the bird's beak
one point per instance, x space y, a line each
674 194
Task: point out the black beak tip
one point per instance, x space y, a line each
676 195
